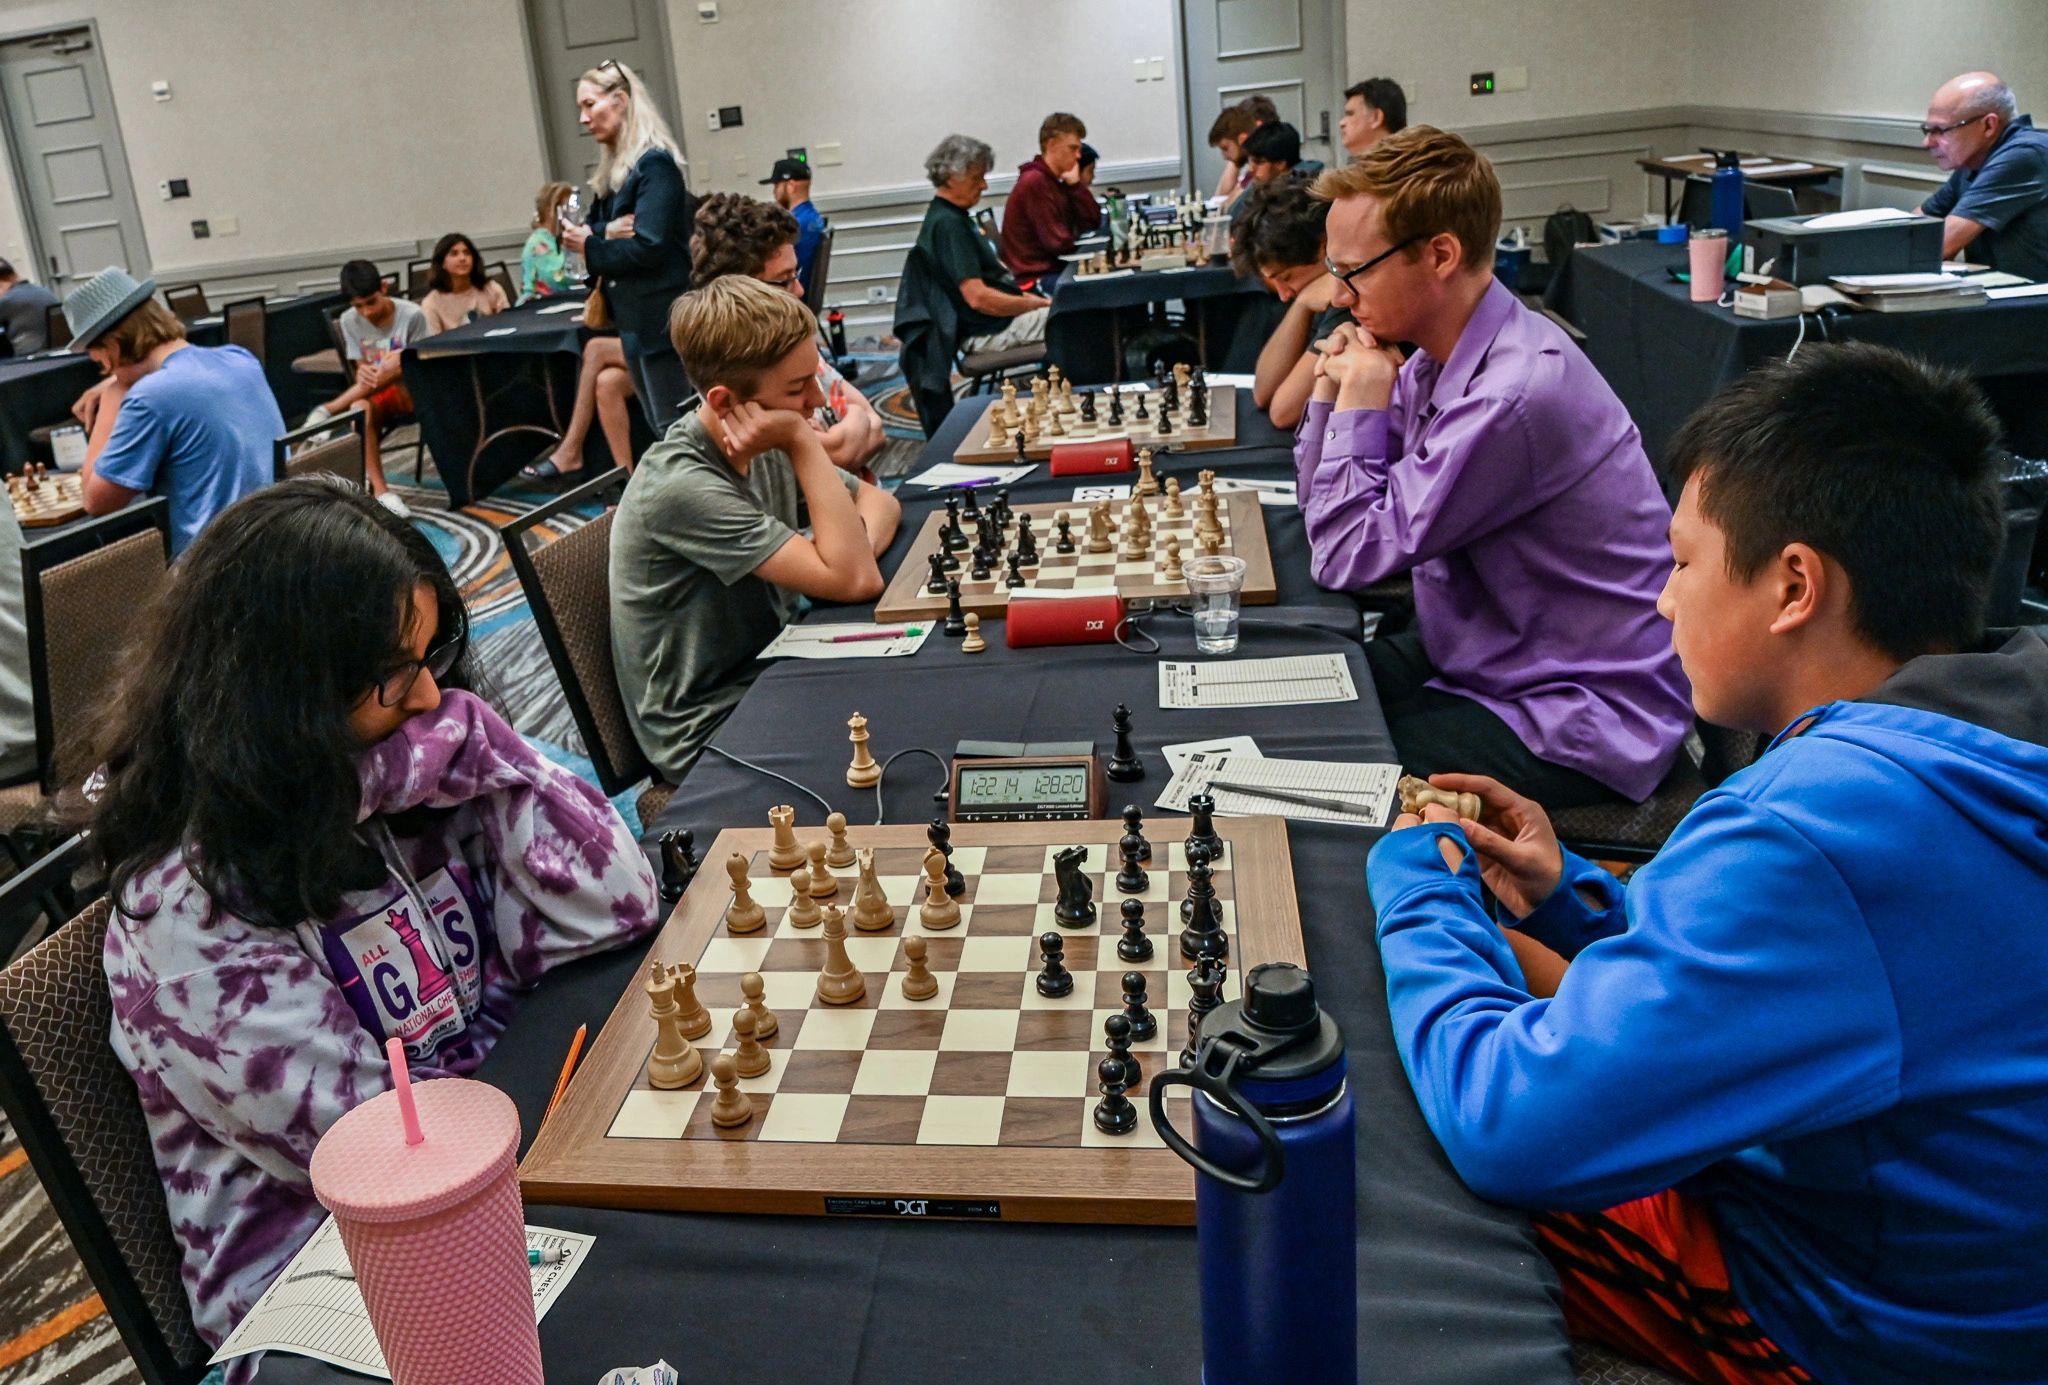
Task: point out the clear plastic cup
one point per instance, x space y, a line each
1215 584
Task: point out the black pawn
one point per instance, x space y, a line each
1055 980
1015 577
1202 932
1143 1024
1198 407
1141 415
940 835
678 863
1115 1114
1116 406
937 583
1124 765
1002 512
1027 542
1205 993
1132 879
949 559
1202 808
972 510
1164 428
956 619
979 572
1065 543
1134 946
1022 454
1134 823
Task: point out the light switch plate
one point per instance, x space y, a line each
827 156
712 119
1512 78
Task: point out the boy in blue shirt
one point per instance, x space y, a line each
1786 1111
192 423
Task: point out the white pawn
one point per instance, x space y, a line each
732 1106
821 883
939 910
918 982
840 856
752 989
749 1059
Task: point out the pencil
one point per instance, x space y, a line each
568 1067
1306 800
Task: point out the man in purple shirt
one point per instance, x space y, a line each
1497 467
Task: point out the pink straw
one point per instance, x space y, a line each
401 1078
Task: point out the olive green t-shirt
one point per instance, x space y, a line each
688 614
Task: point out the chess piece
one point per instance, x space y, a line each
939 910
820 881
871 911
980 571
1198 407
1124 764
1055 425
678 864
863 773
1143 1023
918 982
840 855
956 623
745 914
749 1059
1134 823
1015 577
971 510
1164 428
1206 478
940 835
732 1106
1417 794
1134 946
1212 544
1088 405
1065 543
674 1062
936 583
1202 932
840 983
950 533
1171 508
1076 904
1116 407
1147 484
1116 1114
784 853
1202 824
1027 541
691 1017
753 990
1171 570
1098 527
804 910
1205 993
974 643
1132 879
998 429
1054 980
1141 416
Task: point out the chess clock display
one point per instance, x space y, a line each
1058 788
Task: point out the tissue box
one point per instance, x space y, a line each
1767 301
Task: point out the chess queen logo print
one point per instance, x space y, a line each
414 977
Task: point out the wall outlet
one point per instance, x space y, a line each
160 90
878 293
1513 78
1156 69
1482 84
828 156
707 11
226 225
1141 70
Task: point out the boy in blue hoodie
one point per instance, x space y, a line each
1786 1113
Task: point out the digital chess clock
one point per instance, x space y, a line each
1026 788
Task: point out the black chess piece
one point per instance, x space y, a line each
1115 1114
1134 823
1164 428
678 863
1054 980
955 536
1205 993
972 509
1015 577
1027 542
979 572
1198 407
1088 407
1169 392
1141 415
1202 932
936 585
940 835
950 560
956 619
1143 1023
1134 946
1065 542
1124 764
1202 808
1116 407
1023 454
1076 905
1002 511
1132 879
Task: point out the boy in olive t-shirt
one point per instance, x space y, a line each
707 562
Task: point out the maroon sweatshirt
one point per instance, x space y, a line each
1043 219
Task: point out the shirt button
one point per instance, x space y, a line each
1330 436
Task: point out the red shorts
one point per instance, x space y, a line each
1647 1278
393 403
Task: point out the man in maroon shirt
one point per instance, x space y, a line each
1051 206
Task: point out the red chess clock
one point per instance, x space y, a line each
1092 458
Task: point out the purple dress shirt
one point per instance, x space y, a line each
1511 482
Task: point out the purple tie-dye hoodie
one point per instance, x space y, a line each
247 1042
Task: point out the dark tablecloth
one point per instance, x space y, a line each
1090 315
1666 355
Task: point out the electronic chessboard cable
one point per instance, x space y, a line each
944 770
813 794
819 798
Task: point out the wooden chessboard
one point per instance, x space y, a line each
1220 431
976 1103
53 500
1244 536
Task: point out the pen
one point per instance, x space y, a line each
568 1067
975 481
1306 800
551 1256
874 635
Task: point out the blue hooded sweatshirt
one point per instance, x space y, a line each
1822 1009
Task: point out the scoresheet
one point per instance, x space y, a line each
1256 682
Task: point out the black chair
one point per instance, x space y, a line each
246 323
418 274
1696 205
332 446
500 275
187 301
333 361
1638 831
56 327
568 584
817 275
79 1119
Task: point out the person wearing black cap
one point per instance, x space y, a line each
1052 205
789 182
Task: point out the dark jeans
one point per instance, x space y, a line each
663 386
1436 732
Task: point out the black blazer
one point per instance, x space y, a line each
643 273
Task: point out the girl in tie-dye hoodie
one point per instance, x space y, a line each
317 838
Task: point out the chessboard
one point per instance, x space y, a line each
1218 428
42 498
1146 577
977 1102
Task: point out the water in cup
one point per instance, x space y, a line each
1216 627
1214 586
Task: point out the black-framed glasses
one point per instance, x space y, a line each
1930 131
624 76
787 283
393 687
1346 277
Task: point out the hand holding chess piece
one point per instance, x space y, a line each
1417 794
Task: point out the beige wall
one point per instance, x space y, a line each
316 126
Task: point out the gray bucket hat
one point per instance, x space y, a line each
103 300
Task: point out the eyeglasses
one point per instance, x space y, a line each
1930 131
786 282
613 64
1348 277
393 686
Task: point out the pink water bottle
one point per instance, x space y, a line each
1708 249
423 1186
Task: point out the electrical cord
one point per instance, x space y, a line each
782 778
937 759
1133 625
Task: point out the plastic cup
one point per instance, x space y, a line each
436 1233
1708 250
1216 584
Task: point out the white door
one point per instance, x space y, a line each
1289 50
69 164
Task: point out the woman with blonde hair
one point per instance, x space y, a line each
543 264
637 242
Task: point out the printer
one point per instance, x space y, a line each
1803 254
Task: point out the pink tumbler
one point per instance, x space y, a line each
435 1231
1708 249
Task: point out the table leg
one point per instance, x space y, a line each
1116 346
485 439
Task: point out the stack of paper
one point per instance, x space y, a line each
1908 293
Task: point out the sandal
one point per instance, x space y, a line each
545 470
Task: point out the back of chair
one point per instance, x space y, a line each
818 274
502 277
187 301
248 326
56 327
78 1116
417 274
568 585
333 446
82 609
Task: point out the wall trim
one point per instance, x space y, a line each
999 184
384 253
1863 129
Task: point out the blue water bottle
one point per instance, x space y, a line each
1726 202
1276 1188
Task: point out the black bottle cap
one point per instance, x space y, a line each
1281 997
